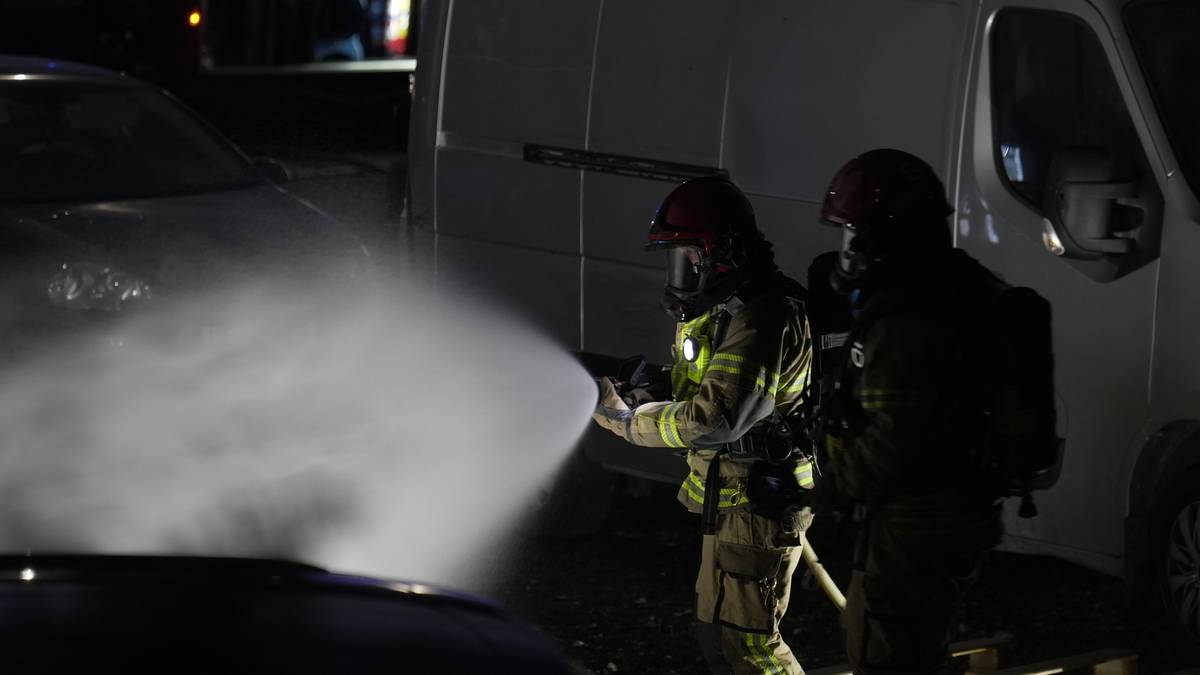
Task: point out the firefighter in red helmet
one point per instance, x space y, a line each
909 412
742 354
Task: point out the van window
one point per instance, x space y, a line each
1052 87
1164 37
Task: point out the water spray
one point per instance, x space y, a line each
372 430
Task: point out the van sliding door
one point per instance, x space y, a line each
815 83
517 73
656 116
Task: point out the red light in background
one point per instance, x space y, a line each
399 15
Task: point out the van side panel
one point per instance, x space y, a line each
660 79
659 94
538 54
622 316
541 288
815 83
516 72
519 70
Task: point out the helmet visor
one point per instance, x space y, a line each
684 267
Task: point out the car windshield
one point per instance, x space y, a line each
1164 33
63 141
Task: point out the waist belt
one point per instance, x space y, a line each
755 446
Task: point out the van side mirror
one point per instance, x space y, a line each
1083 199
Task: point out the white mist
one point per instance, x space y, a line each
386 432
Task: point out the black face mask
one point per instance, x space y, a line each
853 262
685 271
687 276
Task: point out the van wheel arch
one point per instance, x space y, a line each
1165 482
1179 513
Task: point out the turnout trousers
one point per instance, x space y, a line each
742 592
905 588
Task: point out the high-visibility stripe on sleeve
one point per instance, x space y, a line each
668 429
727 362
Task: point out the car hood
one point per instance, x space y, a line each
176 241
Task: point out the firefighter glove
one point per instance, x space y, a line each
611 411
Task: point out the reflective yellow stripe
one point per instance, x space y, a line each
666 427
729 497
804 475
662 429
875 399
762 655
671 410
799 384
726 356
691 490
892 393
761 382
725 369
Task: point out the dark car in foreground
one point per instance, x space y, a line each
230 615
114 196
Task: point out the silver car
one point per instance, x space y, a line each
114 195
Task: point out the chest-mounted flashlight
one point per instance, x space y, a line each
691 349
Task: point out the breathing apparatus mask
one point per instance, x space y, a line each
696 282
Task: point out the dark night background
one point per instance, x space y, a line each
617 600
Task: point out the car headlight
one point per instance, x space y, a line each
93 286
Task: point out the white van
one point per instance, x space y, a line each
545 133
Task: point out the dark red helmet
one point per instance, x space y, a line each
884 187
708 230
887 201
707 212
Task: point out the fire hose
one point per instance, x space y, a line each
821 576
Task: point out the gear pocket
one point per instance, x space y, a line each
748 580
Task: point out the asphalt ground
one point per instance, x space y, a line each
621 599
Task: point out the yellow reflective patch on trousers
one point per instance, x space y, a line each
762 655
